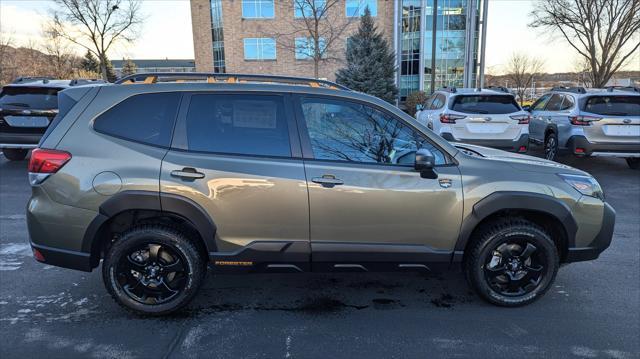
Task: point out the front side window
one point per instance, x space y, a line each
259 49
258 9
305 8
305 48
237 124
540 103
353 132
146 118
613 105
484 104
355 8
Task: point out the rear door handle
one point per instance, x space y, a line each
327 181
187 173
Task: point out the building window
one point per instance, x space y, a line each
259 49
304 8
356 7
258 9
305 48
217 36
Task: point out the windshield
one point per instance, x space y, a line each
613 105
39 98
484 104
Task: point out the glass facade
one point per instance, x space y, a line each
260 48
217 36
355 8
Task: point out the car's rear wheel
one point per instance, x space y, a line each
153 270
633 162
15 154
551 146
511 262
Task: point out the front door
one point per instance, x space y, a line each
368 206
238 157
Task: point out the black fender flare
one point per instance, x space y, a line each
514 200
149 200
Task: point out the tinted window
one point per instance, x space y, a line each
239 124
541 103
40 98
555 103
347 131
144 118
438 102
495 104
613 105
567 103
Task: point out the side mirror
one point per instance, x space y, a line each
424 163
419 107
526 108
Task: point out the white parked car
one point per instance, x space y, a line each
488 117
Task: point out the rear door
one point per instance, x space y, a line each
367 203
486 117
237 156
619 118
538 124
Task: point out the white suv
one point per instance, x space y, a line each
488 117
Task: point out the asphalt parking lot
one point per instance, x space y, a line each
592 311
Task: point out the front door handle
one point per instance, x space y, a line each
327 181
187 173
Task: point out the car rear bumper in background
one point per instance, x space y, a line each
580 146
17 140
600 243
516 145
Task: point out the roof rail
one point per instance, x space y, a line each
79 82
498 88
228 78
623 88
449 89
25 79
580 90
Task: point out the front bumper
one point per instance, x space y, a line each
600 243
580 146
506 145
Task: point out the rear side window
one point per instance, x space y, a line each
438 102
555 104
613 105
484 104
39 98
567 103
146 118
238 124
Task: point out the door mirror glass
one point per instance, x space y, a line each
526 108
424 163
419 107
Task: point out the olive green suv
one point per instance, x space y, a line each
162 175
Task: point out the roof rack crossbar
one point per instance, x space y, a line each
580 90
78 82
229 78
23 79
623 88
498 88
449 89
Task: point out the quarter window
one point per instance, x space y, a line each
146 118
352 132
355 8
567 103
257 9
237 124
304 8
305 48
259 49
438 102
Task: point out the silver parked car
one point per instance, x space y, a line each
488 117
593 122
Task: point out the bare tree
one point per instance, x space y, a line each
604 32
6 60
583 74
97 25
521 70
62 58
321 24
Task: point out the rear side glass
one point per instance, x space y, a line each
438 102
613 105
555 103
238 124
146 118
21 97
65 104
567 103
485 104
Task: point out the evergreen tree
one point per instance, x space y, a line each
90 63
111 73
370 62
129 68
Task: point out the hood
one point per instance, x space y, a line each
519 161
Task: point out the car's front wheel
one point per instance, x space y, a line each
511 262
153 270
633 162
15 154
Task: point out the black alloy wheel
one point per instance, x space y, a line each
515 268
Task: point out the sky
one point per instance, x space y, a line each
167 32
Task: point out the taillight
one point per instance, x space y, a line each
46 162
522 119
448 118
583 120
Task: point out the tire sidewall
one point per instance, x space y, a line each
555 147
138 238
540 240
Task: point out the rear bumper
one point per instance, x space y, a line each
507 145
18 140
63 258
580 146
600 243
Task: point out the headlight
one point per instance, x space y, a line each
586 185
